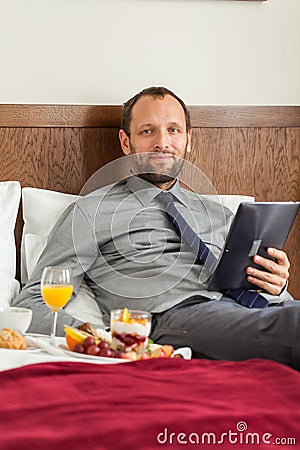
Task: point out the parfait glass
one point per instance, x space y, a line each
56 288
130 330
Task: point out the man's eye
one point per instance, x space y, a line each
174 130
147 131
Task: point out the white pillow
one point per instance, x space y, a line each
41 210
232 201
33 245
10 193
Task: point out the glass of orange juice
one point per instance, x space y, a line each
57 288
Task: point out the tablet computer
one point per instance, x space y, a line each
255 227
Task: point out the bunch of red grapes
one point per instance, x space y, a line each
89 347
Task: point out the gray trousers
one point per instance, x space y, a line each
225 330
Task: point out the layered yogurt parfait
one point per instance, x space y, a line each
130 330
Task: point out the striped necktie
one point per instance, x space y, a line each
250 299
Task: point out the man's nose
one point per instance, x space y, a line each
162 141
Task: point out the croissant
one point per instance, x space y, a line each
11 339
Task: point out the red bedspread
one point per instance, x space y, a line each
70 406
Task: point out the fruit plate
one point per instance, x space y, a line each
184 352
96 345
100 359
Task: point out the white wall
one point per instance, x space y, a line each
104 51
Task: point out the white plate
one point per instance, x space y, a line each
28 349
92 357
185 352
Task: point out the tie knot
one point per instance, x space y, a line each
165 197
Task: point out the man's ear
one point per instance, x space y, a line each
189 136
124 142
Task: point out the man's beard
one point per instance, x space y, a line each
144 169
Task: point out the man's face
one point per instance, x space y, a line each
158 136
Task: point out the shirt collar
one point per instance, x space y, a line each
145 191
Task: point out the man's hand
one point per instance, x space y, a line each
275 279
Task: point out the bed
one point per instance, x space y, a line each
150 404
49 401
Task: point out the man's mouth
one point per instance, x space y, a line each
161 157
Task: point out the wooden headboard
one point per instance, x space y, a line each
250 150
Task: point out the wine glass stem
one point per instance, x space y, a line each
53 327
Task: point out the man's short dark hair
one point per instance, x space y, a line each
155 92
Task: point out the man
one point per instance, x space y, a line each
124 245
